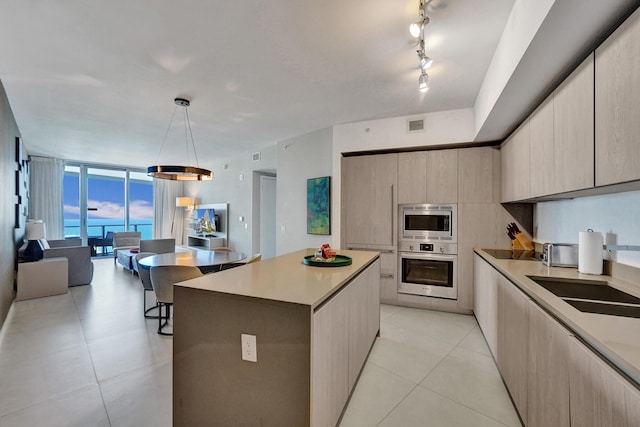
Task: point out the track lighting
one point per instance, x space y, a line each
423 82
417 31
425 61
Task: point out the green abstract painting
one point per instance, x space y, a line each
319 205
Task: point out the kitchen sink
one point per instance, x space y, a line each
591 296
624 310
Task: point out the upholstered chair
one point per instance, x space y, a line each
145 279
163 278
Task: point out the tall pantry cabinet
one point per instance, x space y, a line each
369 213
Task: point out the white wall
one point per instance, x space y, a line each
300 158
228 187
617 216
446 127
523 24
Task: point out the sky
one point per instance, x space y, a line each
107 195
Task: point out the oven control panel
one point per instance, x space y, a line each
428 247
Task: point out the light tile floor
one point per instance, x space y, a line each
89 358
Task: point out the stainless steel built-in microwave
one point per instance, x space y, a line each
437 222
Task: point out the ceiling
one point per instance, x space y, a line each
95 81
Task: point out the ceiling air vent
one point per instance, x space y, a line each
416 125
256 157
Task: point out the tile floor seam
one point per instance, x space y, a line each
462 404
396 405
436 365
93 366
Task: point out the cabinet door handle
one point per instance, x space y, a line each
392 215
387 276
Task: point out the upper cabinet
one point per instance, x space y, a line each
479 175
553 151
514 165
617 89
369 199
442 176
541 162
573 131
428 177
412 177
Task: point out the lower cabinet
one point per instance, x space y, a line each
344 329
485 279
548 373
388 271
552 377
599 396
513 342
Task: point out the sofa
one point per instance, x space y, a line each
80 265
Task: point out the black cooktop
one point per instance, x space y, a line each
513 254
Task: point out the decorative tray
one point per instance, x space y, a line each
338 261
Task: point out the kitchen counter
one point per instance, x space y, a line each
285 278
615 338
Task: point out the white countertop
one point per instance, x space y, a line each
616 338
285 278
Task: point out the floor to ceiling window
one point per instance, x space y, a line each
101 199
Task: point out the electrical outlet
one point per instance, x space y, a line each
249 349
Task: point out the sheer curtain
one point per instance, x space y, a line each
168 220
45 194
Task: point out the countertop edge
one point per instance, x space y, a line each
573 322
321 285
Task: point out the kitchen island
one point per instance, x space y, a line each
313 329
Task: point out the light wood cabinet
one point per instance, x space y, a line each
512 342
541 163
599 395
428 176
442 176
548 371
485 279
412 177
479 175
389 277
344 329
617 117
369 199
573 137
514 165
388 291
330 352
553 378
363 319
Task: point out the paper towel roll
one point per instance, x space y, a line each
590 252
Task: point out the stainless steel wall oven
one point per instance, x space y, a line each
428 251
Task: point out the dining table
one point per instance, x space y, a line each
206 261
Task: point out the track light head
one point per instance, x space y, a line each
423 82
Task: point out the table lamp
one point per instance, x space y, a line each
34 233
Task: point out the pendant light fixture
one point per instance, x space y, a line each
181 173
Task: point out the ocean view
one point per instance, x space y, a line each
100 226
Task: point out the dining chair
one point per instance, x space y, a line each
163 278
257 257
145 278
222 249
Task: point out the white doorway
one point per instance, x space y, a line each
267 216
